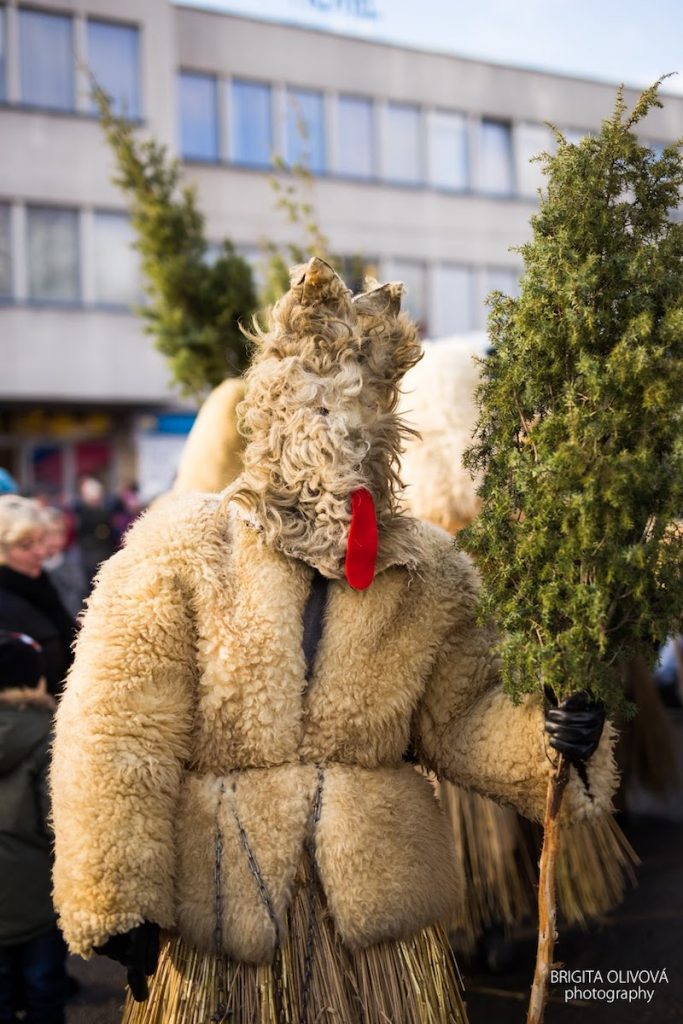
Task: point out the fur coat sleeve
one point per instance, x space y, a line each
122 738
469 732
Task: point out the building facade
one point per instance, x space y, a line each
419 169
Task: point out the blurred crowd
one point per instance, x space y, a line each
77 536
49 556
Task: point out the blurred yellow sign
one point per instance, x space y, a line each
63 425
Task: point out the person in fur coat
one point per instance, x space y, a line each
256 675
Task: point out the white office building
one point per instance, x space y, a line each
420 165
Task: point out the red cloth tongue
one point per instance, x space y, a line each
361 547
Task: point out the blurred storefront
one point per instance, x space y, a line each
47 451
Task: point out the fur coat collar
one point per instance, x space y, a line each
399 542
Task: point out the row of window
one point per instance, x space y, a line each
60 244
355 136
237 120
247 122
52 268
47 68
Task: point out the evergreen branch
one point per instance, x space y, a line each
578 494
195 306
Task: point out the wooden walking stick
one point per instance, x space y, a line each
547 904
580 439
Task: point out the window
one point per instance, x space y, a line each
212 254
355 137
412 274
251 134
47 468
46 54
355 269
198 116
530 140
3 50
52 254
5 252
114 61
448 150
402 144
258 264
575 135
501 279
495 158
306 130
495 279
117 267
452 301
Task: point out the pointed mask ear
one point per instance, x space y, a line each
384 300
390 339
317 283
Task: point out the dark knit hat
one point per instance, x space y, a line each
21 661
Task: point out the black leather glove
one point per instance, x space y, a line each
574 726
138 951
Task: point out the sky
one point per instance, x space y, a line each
629 41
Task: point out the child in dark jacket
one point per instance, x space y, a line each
32 951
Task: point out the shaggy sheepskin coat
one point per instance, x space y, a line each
188 714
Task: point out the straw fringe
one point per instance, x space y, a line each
496 872
595 865
496 853
412 982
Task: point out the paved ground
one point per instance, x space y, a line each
645 933
100 1000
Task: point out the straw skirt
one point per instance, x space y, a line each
496 854
314 979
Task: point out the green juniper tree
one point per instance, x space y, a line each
195 305
580 431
